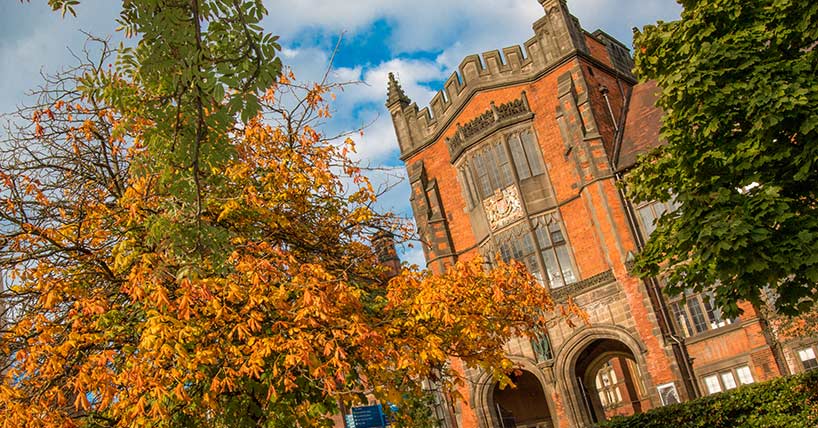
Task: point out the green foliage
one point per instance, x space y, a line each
740 98
790 402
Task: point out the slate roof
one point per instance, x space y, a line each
641 126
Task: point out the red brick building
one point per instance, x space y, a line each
519 156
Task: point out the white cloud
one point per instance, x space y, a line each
33 38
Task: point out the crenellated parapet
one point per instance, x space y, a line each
557 35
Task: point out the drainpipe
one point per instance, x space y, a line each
678 346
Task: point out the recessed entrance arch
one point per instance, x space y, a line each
603 373
524 405
529 404
610 380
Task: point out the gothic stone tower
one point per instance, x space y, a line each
519 156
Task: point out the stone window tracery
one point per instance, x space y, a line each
518 244
489 169
554 249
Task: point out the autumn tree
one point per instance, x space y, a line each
740 98
185 248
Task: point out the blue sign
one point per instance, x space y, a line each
368 417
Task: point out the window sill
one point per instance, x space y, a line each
709 334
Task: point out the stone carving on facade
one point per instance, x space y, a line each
495 117
504 207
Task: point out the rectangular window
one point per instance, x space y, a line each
745 377
492 170
526 154
668 394
695 308
555 254
518 153
505 177
728 380
725 380
713 385
533 154
649 214
808 360
697 315
682 319
523 250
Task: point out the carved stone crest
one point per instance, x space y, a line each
503 208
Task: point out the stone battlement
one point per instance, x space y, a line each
557 35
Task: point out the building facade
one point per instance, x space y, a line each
519 156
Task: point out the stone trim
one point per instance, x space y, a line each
603 278
426 130
487 123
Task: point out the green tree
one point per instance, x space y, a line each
740 96
185 249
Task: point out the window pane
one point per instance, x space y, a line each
695 308
556 234
712 383
504 168
505 252
493 169
808 360
681 317
552 268
543 237
745 377
519 157
565 264
528 244
648 219
713 315
533 154
728 380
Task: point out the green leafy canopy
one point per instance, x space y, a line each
740 96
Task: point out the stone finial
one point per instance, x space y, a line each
395 93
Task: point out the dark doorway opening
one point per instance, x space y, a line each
524 406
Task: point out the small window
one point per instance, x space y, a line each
668 394
696 314
726 379
808 360
608 386
650 213
713 385
744 375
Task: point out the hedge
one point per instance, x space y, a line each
781 403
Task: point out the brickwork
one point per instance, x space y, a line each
572 90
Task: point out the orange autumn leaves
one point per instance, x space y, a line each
254 300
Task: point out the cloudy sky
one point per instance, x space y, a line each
422 41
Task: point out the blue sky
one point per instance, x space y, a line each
422 41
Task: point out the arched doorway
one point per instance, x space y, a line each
522 406
610 381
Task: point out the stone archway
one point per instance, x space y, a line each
523 406
529 404
601 372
